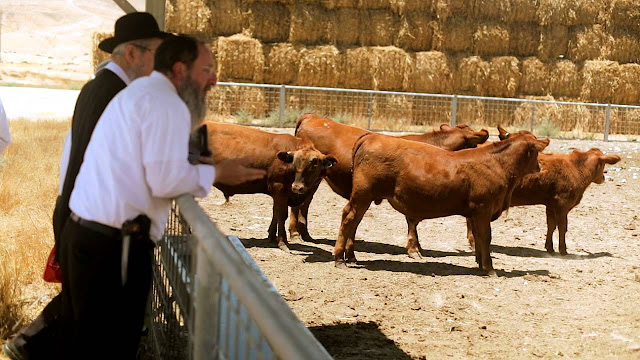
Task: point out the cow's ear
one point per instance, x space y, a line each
285 156
502 133
479 137
541 144
445 127
329 161
610 159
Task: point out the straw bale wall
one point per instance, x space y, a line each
491 39
576 50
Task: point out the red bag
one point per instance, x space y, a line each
52 271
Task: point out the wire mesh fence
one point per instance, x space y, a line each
218 304
280 106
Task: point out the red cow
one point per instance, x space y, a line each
422 182
336 139
559 186
293 168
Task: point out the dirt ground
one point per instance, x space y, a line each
581 306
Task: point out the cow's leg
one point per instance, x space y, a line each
470 238
299 220
273 228
482 235
280 211
413 245
551 227
563 224
351 216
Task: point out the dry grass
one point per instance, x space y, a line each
28 188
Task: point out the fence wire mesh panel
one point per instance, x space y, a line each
281 105
171 303
218 305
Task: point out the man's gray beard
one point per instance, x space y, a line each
196 101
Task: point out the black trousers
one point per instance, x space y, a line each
101 318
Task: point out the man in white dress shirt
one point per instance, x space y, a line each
135 163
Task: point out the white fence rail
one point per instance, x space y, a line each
211 301
279 106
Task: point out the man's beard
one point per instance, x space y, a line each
195 99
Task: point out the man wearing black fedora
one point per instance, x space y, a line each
132 49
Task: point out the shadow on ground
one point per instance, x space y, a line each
357 341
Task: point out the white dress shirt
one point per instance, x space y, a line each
136 161
5 136
66 150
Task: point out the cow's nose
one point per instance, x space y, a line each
297 188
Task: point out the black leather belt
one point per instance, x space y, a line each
97 227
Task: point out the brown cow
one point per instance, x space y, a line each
293 167
336 139
422 182
559 186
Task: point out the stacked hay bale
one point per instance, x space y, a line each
586 50
97 55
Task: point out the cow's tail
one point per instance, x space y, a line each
356 147
300 120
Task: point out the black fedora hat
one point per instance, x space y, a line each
132 26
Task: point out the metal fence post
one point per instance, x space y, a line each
454 109
533 115
369 111
207 312
607 122
282 94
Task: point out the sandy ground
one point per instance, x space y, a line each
582 306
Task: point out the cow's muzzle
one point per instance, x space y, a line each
297 188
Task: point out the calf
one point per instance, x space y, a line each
422 182
337 139
559 186
293 167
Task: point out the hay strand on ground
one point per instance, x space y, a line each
432 73
504 76
535 77
240 58
491 39
319 66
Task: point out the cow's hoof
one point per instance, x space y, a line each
352 260
341 264
550 250
308 238
564 252
283 246
492 274
415 255
295 238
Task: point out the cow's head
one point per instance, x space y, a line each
533 146
594 161
310 166
462 137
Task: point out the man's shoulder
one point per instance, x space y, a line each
104 80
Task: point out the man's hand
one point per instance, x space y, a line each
232 172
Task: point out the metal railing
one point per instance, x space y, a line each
280 105
210 300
